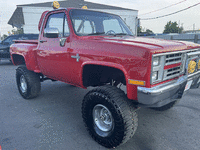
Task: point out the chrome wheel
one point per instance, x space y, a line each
107 115
23 84
103 118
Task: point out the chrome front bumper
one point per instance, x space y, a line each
162 94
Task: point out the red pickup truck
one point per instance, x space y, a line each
89 48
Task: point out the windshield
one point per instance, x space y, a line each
97 23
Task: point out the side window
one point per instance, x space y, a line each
58 21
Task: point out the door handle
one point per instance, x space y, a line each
42 41
62 42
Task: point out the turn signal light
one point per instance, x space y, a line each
136 82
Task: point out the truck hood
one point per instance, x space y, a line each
150 44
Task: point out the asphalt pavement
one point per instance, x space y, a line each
53 121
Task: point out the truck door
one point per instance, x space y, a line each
52 55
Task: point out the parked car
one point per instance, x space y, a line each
5 44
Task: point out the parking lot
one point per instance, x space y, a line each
53 120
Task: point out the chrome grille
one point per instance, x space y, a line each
173 58
172 72
174 64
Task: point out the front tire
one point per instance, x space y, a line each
108 117
28 82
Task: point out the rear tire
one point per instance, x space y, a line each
28 82
108 117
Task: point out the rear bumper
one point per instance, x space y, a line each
165 93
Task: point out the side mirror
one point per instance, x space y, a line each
51 32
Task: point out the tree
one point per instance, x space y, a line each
4 36
148 31
18 31
141 31
172 27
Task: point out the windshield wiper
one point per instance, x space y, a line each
123 34
97 33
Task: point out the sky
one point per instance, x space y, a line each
188 19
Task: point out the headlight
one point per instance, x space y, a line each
157 68
154 76
156 61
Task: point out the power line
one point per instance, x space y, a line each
170 13
163 8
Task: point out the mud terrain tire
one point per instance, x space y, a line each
28 82
108 117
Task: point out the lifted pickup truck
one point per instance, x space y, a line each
89 48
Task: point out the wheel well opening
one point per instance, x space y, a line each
96 75
18 59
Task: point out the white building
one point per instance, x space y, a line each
27 16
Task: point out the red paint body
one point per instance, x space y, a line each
131 55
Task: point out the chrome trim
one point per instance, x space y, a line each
180 51
158 68
170 63
167 72
193 74
51 32
172 76
193 53
163 87
193 57
77 57
62 41
163 94
183 65
172 60
174 57
185 56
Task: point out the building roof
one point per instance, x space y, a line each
17 18
76 4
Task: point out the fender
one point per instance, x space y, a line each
131 89
27 51
107 64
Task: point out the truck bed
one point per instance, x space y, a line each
24 51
